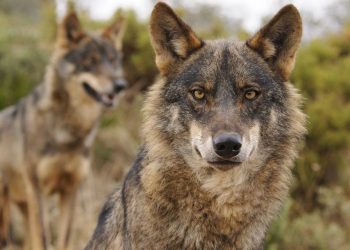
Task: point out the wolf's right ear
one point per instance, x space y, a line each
172 39
70 31
115 31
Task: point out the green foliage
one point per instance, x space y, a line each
326 228
138 53
21 62
321 74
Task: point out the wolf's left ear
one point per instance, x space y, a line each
277 42
172 39
70 31
115 31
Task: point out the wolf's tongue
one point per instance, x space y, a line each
108 99
110 96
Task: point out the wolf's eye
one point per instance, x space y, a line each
198 94
251 94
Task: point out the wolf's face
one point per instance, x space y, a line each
90 67
225 103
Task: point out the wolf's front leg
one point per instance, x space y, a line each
67 204
35 216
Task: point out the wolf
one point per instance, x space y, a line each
220 135
46 138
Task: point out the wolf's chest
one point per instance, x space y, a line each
184 228
64 158
59 171
190 218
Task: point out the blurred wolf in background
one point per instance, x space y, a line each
221 131
45 139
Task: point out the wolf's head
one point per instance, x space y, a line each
224 104
89 67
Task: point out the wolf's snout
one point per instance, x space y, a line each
119 85
227 145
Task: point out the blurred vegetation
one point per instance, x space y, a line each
316 216
318 213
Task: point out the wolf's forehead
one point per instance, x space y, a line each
94 48
224 49
233 56
226 61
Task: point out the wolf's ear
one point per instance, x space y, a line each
115 31
70 31
277 42
172 39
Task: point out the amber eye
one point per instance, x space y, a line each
251 94
198 94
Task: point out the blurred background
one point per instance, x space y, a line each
317 214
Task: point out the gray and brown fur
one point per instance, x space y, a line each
180 193
45 139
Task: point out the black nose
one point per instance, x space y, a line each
119 85
227 145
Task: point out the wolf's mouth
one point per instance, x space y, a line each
220 164
107 99
225 164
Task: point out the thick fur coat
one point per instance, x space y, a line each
221 131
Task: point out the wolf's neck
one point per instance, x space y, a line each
51 83
231 208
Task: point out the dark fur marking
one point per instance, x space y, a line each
104 216
133 175
36 96
14 112
22 113
106 211
226 58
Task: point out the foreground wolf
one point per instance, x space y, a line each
45 139
221 132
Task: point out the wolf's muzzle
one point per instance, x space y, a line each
107 99
227 145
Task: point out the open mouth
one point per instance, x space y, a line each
107 99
